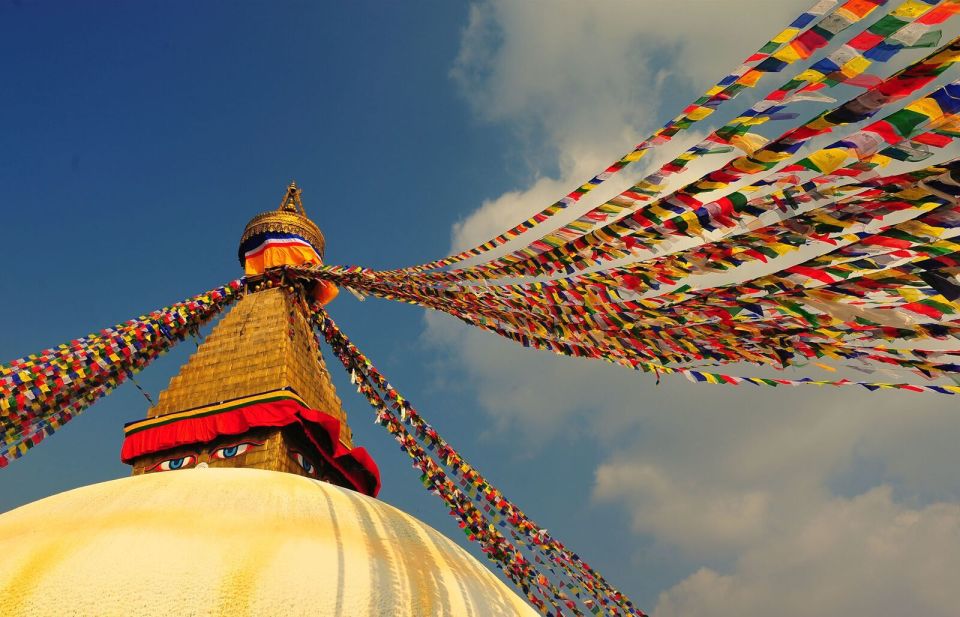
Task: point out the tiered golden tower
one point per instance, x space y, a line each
256 393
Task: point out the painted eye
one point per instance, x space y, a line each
305 464
172 464
234 450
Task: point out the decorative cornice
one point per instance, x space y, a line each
285 221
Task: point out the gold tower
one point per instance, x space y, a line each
221 410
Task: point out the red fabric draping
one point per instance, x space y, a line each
356 464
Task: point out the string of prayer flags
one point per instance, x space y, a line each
42 392
684 215
908 22
735 132
747 74
627 281
690 332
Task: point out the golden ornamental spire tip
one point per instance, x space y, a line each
291 201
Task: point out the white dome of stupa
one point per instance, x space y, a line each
235 542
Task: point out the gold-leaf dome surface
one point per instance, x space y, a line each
235 542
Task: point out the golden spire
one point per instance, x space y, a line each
291 200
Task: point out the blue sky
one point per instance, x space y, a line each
138 139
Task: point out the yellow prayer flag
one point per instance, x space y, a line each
704 184
780 248
788 54
829 160
659 212
810 75
690 217
786 35
926 106
771 156
947 56
604 237
699 113
819 124
880 160
910 294
855 66
911 9
913 193
747 166
749 143
919 228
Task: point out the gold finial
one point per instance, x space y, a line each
291 200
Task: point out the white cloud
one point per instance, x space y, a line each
863 556
487 221
730 470
788 501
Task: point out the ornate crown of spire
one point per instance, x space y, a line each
290 217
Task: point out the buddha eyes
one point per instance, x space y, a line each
190 460
172 464
304 463
234 450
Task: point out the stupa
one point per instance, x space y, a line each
247 496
